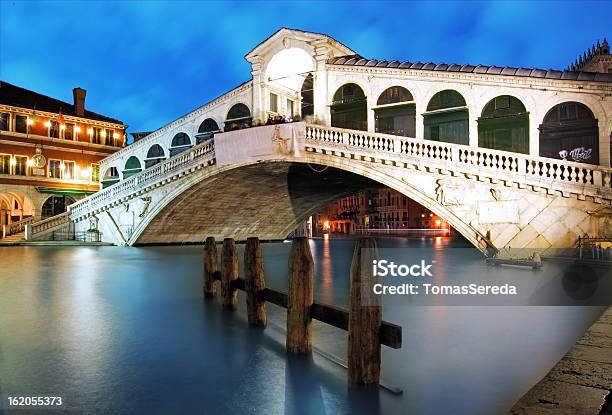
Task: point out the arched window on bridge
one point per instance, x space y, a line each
180 143
55 205
395 112
447 118
155 155
307 93
110 177
206 130
239 116
504 125
349 108
132 167
570 132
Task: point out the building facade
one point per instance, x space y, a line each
376 210
50 153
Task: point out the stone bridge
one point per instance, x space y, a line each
510 157
265 181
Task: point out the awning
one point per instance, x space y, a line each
66 192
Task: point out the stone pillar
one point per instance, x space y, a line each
604 146
419 108
534 135
259 89
473 128
320 93
371 102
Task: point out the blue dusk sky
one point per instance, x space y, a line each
150 62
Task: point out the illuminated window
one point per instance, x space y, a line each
95 172
4 121
69 132
21 165
53 129
5 164
55 170
21 124
69 170
110 137
96 137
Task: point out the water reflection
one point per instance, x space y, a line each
125 330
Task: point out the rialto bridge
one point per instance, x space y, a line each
509 157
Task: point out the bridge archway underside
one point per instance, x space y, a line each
268 200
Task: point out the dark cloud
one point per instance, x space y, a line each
150 62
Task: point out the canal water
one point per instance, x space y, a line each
124 330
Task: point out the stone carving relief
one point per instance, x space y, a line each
145 206
93 223
449 192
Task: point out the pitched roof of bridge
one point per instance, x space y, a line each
357 60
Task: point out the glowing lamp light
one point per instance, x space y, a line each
13 161
438 222
115 135
90 131
29 121
422 215
62 126
29 163
85 173
62 167
103 134
77 129
431 215
47 124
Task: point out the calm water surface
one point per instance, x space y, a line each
124 330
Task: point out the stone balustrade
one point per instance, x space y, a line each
556 175
201 154
16 227
54 222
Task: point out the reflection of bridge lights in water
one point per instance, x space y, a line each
326 269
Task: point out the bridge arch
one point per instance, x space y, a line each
206 129
204 182
447 117
132 166
504 125
238 116
286 69
180 142
395 112
349 107
55 205
155 155
110 176
570 131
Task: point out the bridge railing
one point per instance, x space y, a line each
15 227
467 159
35 229
201 153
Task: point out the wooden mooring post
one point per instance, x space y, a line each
365 317
300 297
229 273
210 267
363 321
254 283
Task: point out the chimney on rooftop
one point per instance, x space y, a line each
79 101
